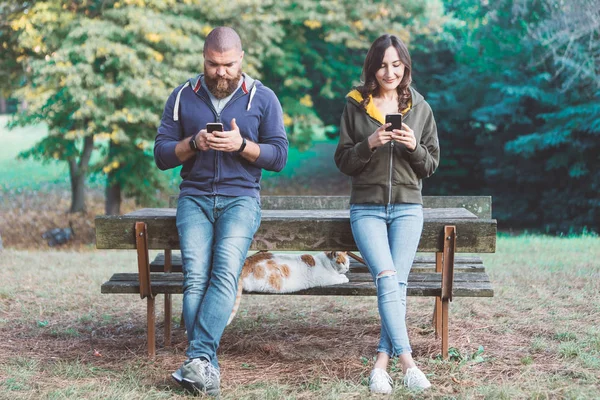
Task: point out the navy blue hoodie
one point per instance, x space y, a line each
257 113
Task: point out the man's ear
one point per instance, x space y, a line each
242 56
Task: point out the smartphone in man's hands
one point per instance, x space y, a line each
395 120
214 127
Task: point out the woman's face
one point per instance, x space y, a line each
390 73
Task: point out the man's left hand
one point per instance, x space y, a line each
228 141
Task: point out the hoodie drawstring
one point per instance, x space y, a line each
176 108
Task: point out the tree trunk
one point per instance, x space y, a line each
112 205
78 173
77 188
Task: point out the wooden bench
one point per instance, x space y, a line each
316 223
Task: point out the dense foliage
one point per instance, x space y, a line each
513 84
518 97
98 71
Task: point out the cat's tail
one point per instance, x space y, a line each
238 300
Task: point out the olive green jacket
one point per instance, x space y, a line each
390 173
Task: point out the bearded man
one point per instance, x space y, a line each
218 209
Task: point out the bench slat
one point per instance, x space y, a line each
478 205
329 230
422 263
465 285
461 289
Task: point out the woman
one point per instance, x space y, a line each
386 210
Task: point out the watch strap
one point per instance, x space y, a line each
243 146
193 144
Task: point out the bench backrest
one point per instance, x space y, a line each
478 205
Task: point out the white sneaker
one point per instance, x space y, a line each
414 378
380 381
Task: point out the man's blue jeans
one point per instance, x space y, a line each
215 233
387 238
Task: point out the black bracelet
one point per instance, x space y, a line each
193 144
243 146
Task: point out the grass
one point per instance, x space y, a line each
537 338
20 174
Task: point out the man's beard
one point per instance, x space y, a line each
222 87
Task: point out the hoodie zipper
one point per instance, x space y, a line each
390 180
391 162
218 116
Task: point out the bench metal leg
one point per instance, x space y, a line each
141 243
447 281
437 308
445 308
150 332
168 306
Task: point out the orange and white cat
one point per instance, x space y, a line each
284 273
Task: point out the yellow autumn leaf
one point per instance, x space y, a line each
312 24
306 100
206 30
358 25
153 37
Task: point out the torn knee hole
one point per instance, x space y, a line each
386 273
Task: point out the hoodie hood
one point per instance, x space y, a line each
373 112
248 87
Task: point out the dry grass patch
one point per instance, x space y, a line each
537 338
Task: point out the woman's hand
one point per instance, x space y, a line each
380 137
406 136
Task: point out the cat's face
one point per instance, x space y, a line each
339 260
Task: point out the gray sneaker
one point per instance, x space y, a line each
201 375
179 379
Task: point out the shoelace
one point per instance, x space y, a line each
414 377
209 372
379 376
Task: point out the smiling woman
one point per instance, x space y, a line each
387 167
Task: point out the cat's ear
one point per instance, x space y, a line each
341 257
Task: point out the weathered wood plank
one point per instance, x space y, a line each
420 264
307 230
172 285
353 277
419 259
481 206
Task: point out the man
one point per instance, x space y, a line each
218 209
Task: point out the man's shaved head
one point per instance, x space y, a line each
222 39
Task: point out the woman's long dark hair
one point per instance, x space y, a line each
373 63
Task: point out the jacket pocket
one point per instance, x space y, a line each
375 171
403 173
237 168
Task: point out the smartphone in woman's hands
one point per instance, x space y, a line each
395 120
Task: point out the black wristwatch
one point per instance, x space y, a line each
243 146
193 144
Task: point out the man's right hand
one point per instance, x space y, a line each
184 151
202 139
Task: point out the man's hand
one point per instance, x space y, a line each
228 141
202 139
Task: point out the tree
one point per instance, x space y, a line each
103 75
324 46
528 108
